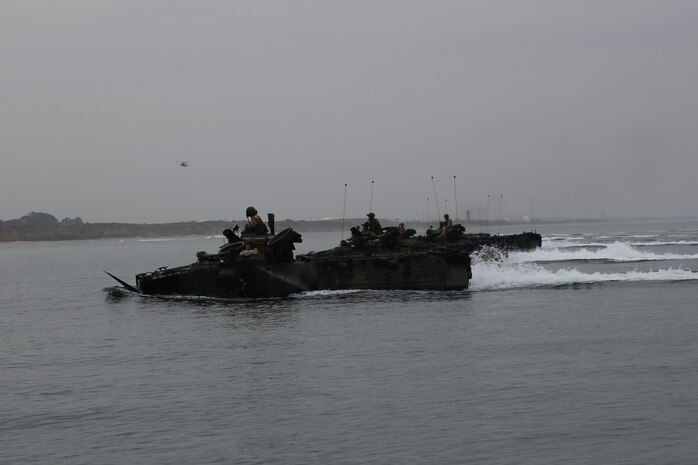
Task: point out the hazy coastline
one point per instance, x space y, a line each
91 231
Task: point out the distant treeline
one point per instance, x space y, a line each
36 226
40 219
45 227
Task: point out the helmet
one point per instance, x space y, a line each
370 215
445 215
251 211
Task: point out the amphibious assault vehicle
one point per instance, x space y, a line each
457 239
253 265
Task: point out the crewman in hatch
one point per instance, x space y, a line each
373 225
446 225
255 224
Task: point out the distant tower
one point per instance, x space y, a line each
467 215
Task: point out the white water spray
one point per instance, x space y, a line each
612 252
519 270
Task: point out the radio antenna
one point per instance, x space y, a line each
499 217
344 210
436 198
487 214
428 219
455 197
370 205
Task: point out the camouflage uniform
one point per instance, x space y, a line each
256 225
374 225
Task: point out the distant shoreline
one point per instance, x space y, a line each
90 231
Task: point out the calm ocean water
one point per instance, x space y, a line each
583 352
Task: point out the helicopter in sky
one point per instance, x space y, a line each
184 164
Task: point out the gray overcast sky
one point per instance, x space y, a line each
589 107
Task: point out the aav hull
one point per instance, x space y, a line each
421 271
254 277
